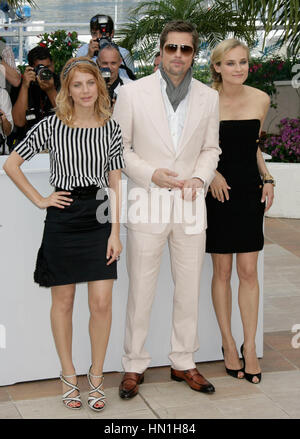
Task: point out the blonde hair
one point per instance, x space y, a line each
64 102
217 56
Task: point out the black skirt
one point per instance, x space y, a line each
235 226
74 242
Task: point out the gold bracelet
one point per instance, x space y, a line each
268 177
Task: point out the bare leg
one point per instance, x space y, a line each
100 304
248 303
222 300
61 323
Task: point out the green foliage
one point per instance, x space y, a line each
202 73
283 14
213 24
62 46
263 73
18 3
22 68
144 70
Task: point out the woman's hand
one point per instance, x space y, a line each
268 193
219 187
56 199
114 248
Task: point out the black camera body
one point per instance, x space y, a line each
102 41
104 24
44 73
105 73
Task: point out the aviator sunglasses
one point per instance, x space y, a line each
172 48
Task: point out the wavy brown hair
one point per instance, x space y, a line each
217 56
64 102
180 26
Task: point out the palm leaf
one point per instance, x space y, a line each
147 20
18 3
272 14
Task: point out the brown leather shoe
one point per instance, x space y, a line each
129 386
194 379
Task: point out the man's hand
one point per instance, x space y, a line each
6 125
46 86
190 188
2 115
163 177
93 47
28 76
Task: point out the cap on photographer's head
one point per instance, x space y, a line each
101 25
109 56
40 55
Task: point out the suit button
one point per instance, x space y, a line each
169 189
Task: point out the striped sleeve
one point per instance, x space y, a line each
36 140
116 160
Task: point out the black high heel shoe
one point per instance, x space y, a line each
233 372
249 376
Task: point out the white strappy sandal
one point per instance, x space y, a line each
92 400
66 398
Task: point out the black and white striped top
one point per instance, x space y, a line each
78 156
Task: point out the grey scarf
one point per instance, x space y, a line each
176 94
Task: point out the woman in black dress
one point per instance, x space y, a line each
239 195
81 236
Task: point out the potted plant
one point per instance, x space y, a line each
284 148
62 46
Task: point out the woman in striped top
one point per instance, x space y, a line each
80 242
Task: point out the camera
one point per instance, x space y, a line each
104 25
105 73
44 73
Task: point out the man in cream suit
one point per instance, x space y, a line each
170 128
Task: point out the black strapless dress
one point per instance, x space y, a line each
236 226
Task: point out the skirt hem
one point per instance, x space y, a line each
222 252
56 284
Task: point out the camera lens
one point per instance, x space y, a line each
43 72
106 74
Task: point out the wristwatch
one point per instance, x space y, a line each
269 179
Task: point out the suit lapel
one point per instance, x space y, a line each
156 112
193 116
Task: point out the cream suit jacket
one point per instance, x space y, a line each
148 145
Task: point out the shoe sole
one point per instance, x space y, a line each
72 408
175 378
96 409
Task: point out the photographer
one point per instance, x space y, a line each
6 121
37 93
102 30
109 61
